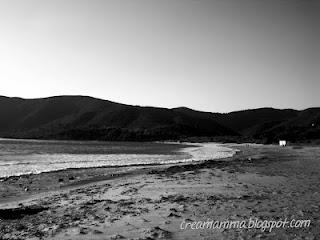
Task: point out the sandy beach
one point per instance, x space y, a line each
159 120
263 182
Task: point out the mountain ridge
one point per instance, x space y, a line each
88 118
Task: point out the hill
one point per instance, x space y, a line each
266 125
87 118
304 127
81 117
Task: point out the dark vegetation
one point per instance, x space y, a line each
86 118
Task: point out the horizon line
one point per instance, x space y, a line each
146 106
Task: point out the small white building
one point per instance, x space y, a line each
282 143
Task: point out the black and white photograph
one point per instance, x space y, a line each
159 119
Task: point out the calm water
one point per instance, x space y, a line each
34 156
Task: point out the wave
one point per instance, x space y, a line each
38 163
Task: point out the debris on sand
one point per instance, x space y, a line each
116 237
20 212
178 198
71 178
84 230
156 233
181 208
97 231
173 215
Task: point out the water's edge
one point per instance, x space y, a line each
195 153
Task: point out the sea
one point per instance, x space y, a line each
22 156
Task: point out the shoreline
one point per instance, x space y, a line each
262 181
188 152
75 177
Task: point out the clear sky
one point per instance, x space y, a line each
214 55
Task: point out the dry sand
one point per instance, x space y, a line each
265 182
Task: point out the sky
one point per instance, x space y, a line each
214 55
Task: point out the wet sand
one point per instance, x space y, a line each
151 202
